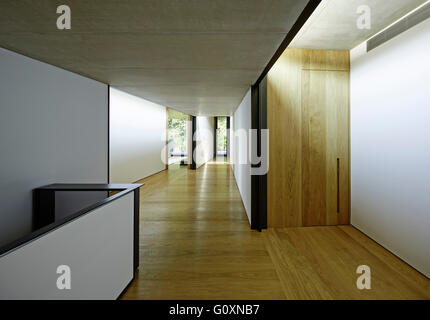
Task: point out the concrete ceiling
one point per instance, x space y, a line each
333 25
196 56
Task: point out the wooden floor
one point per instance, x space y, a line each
196 244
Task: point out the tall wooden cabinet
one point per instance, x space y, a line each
308 121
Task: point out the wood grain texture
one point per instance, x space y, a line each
196 243
284 122
308 121
321 263
328 60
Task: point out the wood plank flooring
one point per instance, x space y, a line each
196 244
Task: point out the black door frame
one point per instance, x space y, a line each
259 182
215 137
193 143
228 139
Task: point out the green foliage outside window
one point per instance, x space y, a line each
222 134
177 130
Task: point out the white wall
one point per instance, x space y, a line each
390 145
204 140
53 129
241 165
137 137
100 258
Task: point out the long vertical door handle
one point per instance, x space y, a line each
338 185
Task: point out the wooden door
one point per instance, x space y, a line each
325 147
308 121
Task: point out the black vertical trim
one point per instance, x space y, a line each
263 178
108 137
136 228
43 208
228 138
304 16
193 142
254 179
215 137
255 194
259 182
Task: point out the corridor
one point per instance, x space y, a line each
195 240
196 243
140 138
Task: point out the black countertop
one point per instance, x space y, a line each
61 187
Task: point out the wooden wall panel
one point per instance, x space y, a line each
343 143
313 148
331 105
325 60
308 119
284 115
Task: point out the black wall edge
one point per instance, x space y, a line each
304 16
136 225
228 138
193 143
259 182
215 136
